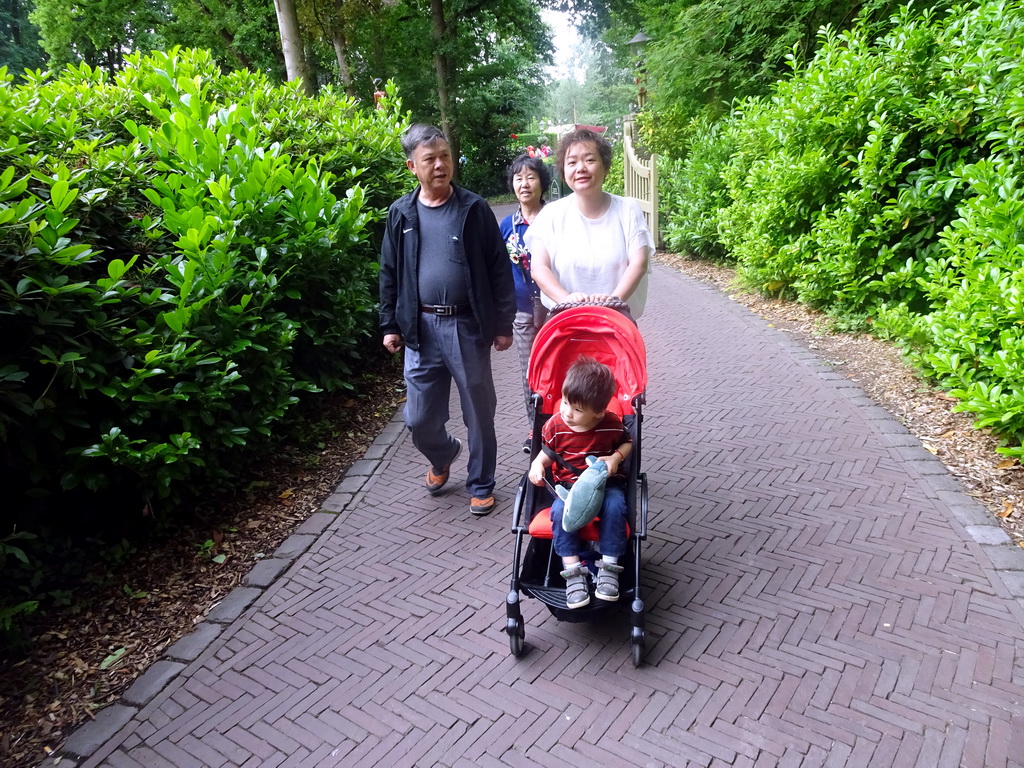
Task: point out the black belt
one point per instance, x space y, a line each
445 310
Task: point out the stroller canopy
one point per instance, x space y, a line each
602 333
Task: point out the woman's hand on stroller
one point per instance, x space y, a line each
589 298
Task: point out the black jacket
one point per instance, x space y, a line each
485 262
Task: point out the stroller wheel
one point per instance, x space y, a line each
516 636
637 643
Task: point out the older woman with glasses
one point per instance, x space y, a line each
529 179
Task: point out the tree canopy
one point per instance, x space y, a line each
704 54
19 39
597 90
474 67
100 34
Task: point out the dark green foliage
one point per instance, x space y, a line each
182 255
495 83
692 191
493 50
615 182
499 97
240 34
883 183
19 39
707 53
841 181
97 33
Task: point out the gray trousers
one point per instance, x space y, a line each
524 331
452 348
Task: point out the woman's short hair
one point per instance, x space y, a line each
589 384
579 136
535 164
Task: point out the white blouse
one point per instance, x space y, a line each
591 255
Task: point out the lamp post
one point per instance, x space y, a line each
636 47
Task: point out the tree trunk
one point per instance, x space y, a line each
291 43
341 52
14 14
441 32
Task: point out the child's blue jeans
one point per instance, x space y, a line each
611 526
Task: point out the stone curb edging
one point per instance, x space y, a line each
89 737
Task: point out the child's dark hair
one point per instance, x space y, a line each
589 384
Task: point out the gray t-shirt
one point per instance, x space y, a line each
442 276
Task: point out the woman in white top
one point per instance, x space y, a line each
591 245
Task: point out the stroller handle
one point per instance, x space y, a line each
611 303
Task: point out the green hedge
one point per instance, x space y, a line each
882 183
183 253
691 192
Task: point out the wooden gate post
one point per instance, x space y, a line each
641 179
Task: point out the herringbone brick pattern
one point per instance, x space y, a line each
812 602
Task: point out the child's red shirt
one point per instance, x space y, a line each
574 447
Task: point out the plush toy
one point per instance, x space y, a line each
583 500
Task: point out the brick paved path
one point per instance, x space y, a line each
820 593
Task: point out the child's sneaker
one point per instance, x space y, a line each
576 593
607 581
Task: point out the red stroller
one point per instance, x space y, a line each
611 338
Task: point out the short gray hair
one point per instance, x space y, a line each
421 133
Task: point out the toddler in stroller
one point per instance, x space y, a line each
584 427
557 565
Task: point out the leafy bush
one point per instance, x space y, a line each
485 170
183 254
691 191
669 129
615 181
705 54
833 177
883 183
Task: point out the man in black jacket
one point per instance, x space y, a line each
446 294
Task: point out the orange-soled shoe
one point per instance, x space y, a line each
481 506
436 480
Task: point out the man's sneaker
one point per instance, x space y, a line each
607 581
482 506
436 480
576 593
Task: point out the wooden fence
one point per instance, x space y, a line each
641 179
